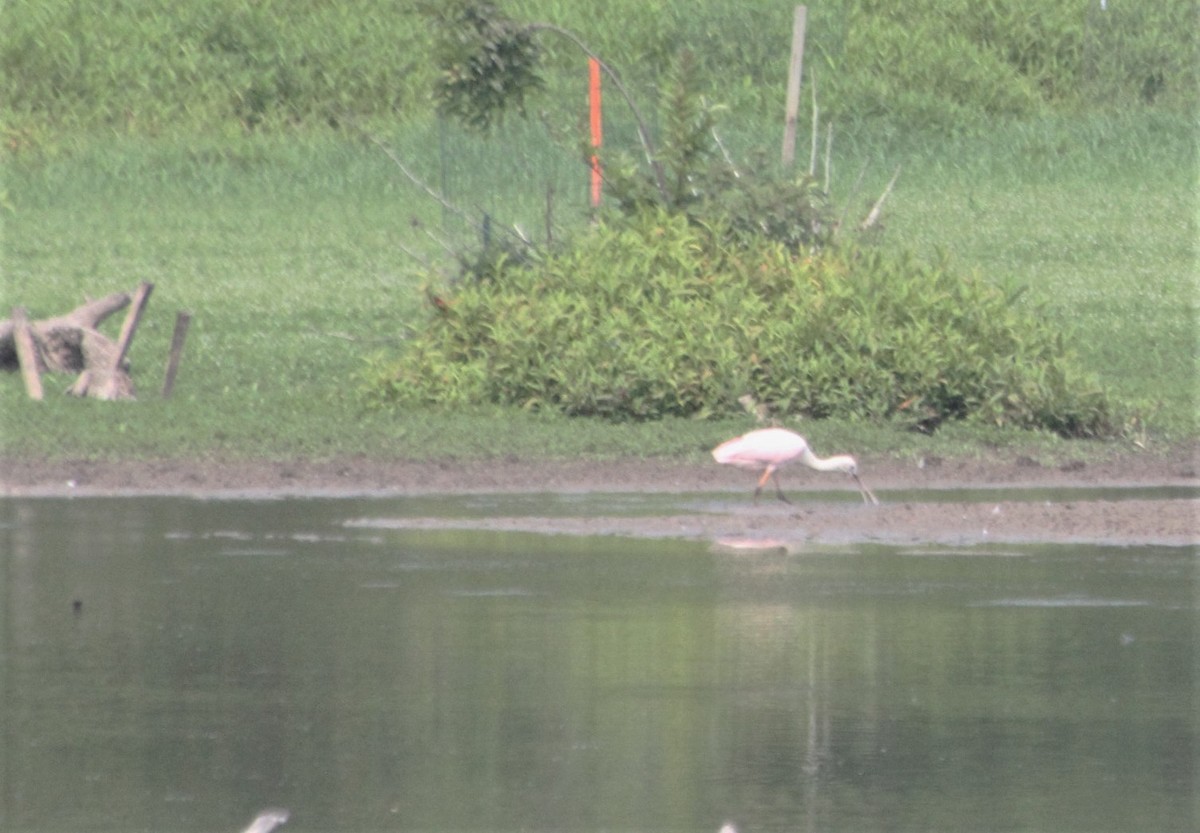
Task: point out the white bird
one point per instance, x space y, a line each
769 449
267 820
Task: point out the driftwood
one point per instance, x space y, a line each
72 343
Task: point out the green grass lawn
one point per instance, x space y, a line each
1097 218
295 258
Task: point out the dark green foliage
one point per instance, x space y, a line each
486 62
747 201
659 316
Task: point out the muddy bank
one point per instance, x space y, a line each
363 475
1090 515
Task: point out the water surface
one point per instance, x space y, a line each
171 664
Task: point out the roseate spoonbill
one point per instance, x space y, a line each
769 449
267 820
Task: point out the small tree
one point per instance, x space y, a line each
709 188
488 61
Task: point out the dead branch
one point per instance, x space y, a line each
873 215
71 343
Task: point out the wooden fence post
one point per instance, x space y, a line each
182 321
795 71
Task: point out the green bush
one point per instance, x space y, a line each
657 316
487 62
750 202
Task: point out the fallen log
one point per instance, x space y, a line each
72 343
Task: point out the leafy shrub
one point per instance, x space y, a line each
748 202
656 316
488 61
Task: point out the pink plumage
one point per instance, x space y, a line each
768 449
758 449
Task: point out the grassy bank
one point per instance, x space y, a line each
207 148
295 256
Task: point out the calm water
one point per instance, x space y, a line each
174 665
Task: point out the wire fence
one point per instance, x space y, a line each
528 177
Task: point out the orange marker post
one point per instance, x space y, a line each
597 128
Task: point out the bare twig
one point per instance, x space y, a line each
428 189
445 246
724 152
873 216
355 339
828 153
413 178
418 258
816 114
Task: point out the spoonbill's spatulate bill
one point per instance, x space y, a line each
769 449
